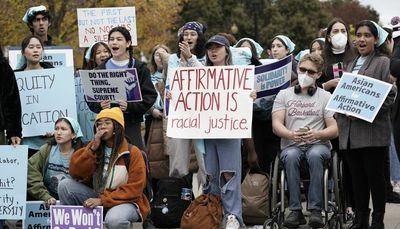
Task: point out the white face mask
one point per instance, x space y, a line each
305 80
339 42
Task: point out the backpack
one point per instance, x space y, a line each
172 198
148 191
255 197
205 212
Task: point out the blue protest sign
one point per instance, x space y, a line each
359 96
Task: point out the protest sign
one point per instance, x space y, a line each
58 56
46 95
111 84
37 215
85 116
95 23
13 176
211 102
77 217
359 96
270 79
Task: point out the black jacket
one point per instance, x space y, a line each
10 103
135 110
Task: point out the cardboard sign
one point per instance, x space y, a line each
95 23
76 217
111 84
211 102
13 178
46 95
359 96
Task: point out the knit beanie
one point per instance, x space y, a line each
114 113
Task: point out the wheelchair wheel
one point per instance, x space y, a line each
275 178
270 224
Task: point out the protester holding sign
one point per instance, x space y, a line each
32 51
120 43
50 164
299 117
190 49
367 144
101 176
282 46
222 156
10 104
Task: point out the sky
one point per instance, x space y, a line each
386 9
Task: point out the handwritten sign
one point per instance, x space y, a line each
270 79
46 95
117 84
37 215
359 96
85 116
95 23
77 217
13 173
58 56
211 102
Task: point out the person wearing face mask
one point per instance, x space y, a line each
299 117
338 52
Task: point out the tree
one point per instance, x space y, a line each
155 20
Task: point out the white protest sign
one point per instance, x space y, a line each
46 95
58 56
111 84
359 96
13 176
211 102
95 23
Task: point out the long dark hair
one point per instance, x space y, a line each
329 57
91 63
128 38
199 49
119 136
76 143
2 58
382 49
254 58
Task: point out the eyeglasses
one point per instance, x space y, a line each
309 71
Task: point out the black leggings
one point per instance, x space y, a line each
367 172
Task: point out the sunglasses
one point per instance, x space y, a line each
309 71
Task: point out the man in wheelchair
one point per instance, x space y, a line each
299 117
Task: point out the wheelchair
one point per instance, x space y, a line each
333 206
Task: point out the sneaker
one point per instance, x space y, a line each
232 222
295 219
316 219
396 187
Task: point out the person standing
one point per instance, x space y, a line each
367 144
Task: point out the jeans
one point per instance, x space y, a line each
394 162
120 216
223 155
315 155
